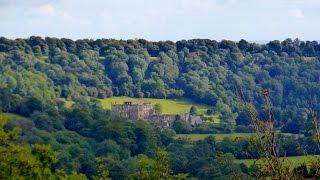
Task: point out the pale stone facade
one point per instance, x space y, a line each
191 119
132 111
163 120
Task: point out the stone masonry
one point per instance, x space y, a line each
132 111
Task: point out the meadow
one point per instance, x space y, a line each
169 106
292 161
218 137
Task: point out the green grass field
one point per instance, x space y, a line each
292 161
218 137
169 106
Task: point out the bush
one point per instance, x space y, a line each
243 129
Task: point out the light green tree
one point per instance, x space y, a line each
18 161
158 108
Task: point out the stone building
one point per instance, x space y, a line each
163 120
132 111
146 112
191 119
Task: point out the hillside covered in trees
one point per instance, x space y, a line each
41 137
203 70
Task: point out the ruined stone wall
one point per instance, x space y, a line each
164 120
132 111
145 110
191 119
124 110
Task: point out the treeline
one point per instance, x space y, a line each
203 70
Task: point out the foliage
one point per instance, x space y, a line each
59 142
199 69
158 108
193 110
218 137
157 168
24 161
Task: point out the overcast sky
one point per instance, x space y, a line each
254 20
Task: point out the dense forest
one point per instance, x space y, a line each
202 70
37 75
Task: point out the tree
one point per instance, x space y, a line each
24 161
155 87
243 119
158 108
157 168
164 67
162 170
103 171
193 110
181 127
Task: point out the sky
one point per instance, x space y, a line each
253 20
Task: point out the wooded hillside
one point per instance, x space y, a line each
203 70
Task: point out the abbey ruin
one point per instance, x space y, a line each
146 112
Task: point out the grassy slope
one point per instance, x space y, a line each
218 137
169 106
292 161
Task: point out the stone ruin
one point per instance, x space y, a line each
146 112
132 111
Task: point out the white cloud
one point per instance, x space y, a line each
43 10
200 5
128 20
66 17
307 2
233 1
25 3
106 17
48 14
297 13
152 14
